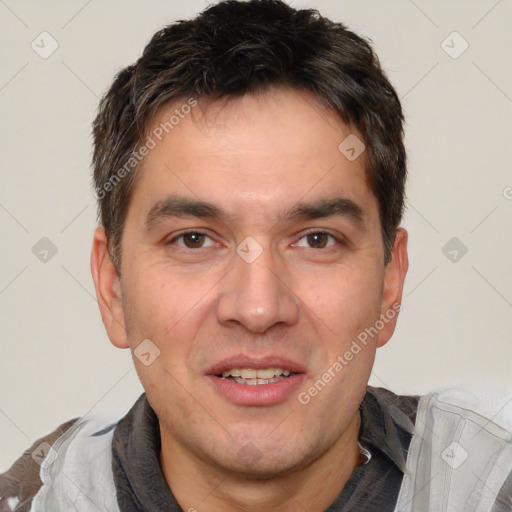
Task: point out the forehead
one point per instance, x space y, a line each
258 151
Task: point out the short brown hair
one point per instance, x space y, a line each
238 47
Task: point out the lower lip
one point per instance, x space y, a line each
260 394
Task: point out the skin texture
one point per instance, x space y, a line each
304 299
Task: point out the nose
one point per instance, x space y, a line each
256 295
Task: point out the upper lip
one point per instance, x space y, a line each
255 363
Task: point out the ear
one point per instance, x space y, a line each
108 290
394 277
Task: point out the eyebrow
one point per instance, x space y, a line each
180 206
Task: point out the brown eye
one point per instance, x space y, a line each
191 240
317 240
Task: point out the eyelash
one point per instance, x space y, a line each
313 231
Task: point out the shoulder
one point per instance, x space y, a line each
461 452
494 405
75 442
20 483
491 405
77 472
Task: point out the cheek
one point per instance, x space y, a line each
161 309
345 299
160 302
169 309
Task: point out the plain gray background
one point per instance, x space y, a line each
455 326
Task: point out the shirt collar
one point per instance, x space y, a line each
387 423
138 475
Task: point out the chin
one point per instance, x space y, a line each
264 471
251 463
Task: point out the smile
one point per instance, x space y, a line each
251 377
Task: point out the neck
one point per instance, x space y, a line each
198 485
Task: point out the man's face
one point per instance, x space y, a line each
257 286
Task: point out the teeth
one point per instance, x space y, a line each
256 382
235 372
263 374
248 374
267 373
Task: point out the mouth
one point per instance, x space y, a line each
256 381
252 377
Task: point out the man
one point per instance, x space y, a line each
250 174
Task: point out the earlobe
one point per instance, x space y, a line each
108 290
394 278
